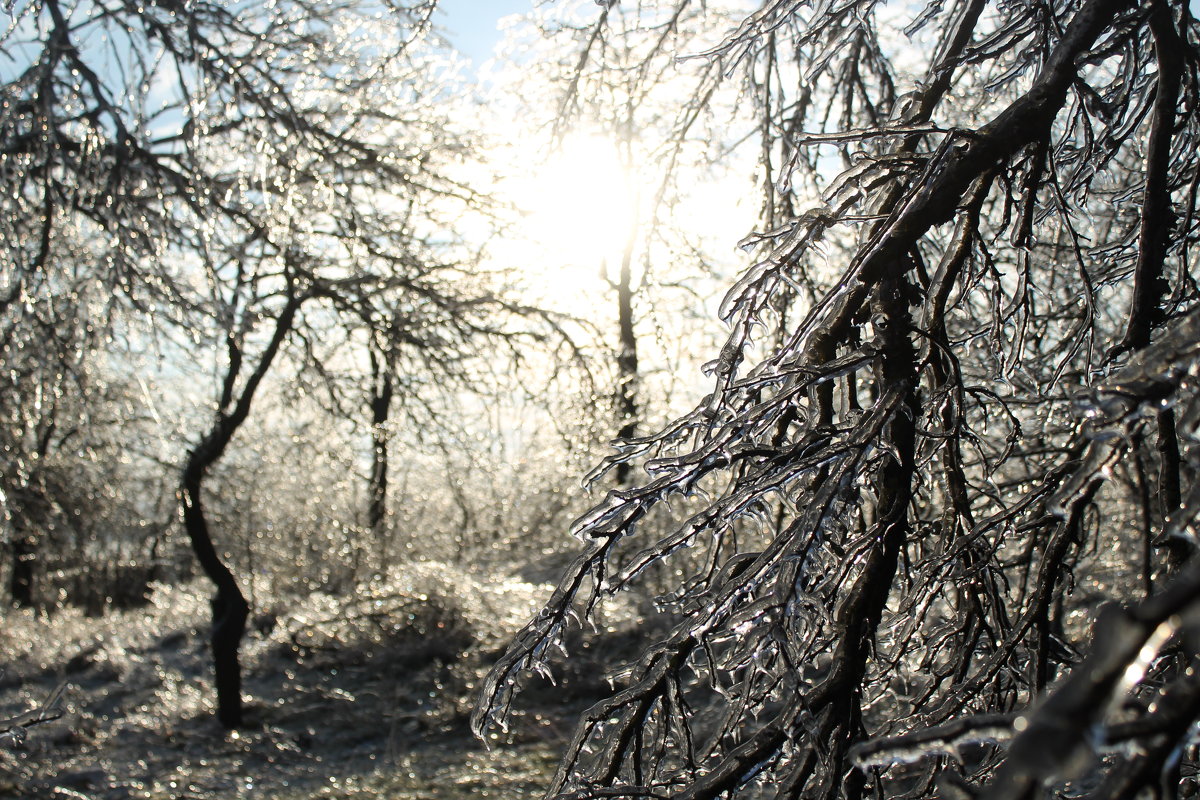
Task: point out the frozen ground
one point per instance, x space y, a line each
356 697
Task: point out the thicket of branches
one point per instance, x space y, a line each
954 414
229 190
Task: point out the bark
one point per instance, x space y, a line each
382 391
229 606
1170 493
1150 284
21 581
898 367
627 364
31 509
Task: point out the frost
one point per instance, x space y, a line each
948 740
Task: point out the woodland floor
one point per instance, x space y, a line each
346 699
365 694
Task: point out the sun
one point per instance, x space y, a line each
594 203
584 201
579 211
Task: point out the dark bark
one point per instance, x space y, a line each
31 510
897 367
627 364
1150 284
21 581
1170 494
229 606
382 391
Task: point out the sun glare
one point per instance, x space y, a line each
588 203
580 210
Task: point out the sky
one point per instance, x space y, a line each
471 24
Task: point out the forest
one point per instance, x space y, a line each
693 399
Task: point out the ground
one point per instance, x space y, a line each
347 697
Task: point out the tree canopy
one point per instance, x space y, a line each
241 181
951 419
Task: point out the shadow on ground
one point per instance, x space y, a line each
353 699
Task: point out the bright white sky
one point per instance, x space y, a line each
563 247
471 24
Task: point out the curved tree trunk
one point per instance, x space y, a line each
229 606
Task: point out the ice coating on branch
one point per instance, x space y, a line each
888 492
947 740
1153 376
1149 652
1087 474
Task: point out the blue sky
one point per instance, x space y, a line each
471 24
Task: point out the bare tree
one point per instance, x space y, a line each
896 495
614 84
247 302
233 163
428 323
46 346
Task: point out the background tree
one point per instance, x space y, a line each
897 494
649 184
239 384
414 342
242 170
46 373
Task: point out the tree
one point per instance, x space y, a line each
331 242
893 494
423 331
47 343
605 96
240 166
229 607
37 384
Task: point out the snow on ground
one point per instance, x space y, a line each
348 697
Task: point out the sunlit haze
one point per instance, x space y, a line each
578 210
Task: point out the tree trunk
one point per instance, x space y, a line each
897 367
30 512
382 391
627 362
24 556
229 606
